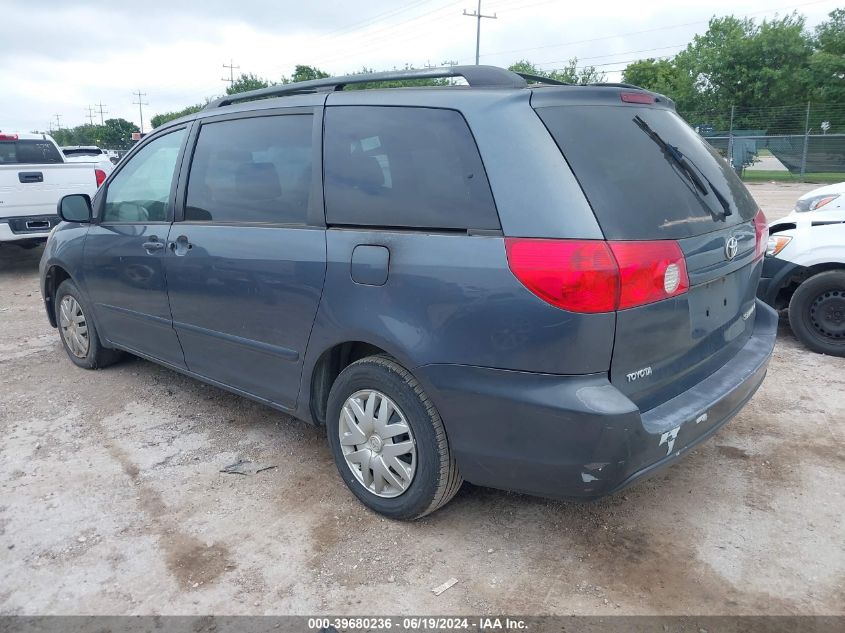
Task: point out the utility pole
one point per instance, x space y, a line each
478 15
90 115
140 103
101 106
806 142
731 142
232 68
58 120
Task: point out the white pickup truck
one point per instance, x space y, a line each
34 176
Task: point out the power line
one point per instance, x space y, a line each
478 17
232 68
58 120
375 18
660 28
100 107
90 115
386 34
140 103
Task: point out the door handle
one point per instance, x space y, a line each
30 176
180 246
153 245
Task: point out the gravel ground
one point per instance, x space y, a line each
112 502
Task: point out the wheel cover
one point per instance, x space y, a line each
827 316
74 326
377 443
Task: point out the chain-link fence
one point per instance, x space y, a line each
805 140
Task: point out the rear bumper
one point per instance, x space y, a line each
27 228
578 436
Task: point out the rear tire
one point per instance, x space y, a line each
817 312
78 331
424 476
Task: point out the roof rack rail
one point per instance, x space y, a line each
475 76
540 79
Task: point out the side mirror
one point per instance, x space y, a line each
75 208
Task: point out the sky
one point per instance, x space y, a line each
64 56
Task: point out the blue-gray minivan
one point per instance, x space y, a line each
523 284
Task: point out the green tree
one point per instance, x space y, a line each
117 133
658 75
165 117
570 73
248 82
63 136
752 66
305 73
399 83
827 64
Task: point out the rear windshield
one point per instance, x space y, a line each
634 165
28 152
82 152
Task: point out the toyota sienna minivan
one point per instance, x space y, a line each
523 284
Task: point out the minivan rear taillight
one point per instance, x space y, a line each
598 276
761 233
100 175
649 271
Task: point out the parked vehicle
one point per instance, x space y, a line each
498 282
89 154
804 269
829 197
34 176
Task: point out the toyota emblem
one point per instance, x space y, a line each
731 247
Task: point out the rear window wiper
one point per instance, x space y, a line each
689 169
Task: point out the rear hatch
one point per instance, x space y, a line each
648 176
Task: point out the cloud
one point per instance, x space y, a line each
60 57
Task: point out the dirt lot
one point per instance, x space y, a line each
111 501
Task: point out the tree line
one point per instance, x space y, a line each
113 134
766 71
248 81
761 72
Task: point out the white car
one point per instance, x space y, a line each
34 176
88 154
804 269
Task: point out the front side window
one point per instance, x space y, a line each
140 191
252 170
404 167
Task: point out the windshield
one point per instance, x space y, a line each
646 173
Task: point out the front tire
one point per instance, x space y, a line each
817 312
78 331
388 440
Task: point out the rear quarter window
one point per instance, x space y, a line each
635 188
404 167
